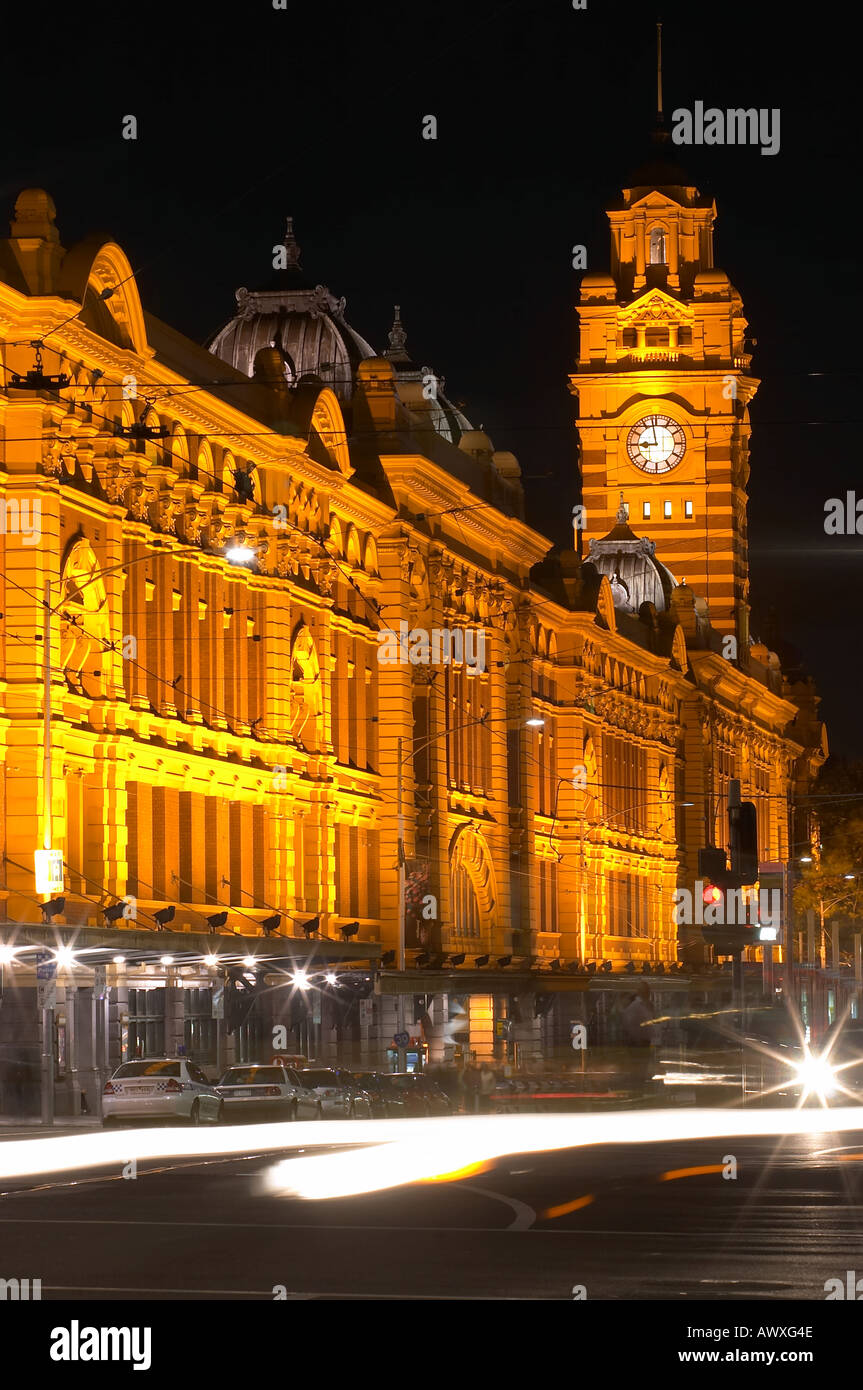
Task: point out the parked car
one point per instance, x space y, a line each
256 1091
387 1102
361 1099
324 1093
421 1095
162 1088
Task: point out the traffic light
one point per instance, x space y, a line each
744 842
711 895
729 923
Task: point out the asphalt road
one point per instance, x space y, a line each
201 1228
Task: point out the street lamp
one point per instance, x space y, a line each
240 553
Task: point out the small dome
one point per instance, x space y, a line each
34 215
421 389
477 444
708 282
598 287
272 366
635 574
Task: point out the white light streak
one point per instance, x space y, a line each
393 1153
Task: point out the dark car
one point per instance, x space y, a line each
361 1100
387 1102
422 1096
331 1092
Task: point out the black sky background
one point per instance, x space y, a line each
247 114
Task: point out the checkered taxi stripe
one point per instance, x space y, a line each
121 1087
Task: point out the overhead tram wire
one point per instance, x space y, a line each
262 513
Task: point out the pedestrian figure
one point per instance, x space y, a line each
470 1081
636 1034
487 1083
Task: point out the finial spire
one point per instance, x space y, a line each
397 338
621 511
659 118
292 250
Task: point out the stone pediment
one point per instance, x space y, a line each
655 307
654 200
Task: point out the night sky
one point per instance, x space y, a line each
247 114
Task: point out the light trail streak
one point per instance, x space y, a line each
383 1154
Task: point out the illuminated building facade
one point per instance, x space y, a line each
228 536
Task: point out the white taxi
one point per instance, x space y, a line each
164 1088
259 1092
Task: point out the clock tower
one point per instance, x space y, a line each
663 386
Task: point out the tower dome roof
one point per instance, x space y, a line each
304 321
635 574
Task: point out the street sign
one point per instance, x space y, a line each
401 1039
100 981
49 870
46 985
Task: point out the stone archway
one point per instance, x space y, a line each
84 619
472 888
306 695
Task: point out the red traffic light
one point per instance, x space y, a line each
711 894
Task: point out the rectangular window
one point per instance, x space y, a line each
199 1026
687 510
146 1023
645 511
666 510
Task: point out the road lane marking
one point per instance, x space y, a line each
674 1173
524 1215
551 1213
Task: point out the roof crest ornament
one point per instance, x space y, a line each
292 249
397 337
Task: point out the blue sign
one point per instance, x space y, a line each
47 971
401 1039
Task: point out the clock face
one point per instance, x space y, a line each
656 444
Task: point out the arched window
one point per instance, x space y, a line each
465 908
84 621
658 242
471 886
306 696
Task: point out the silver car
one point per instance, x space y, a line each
163 1088
323 1095
258 1091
